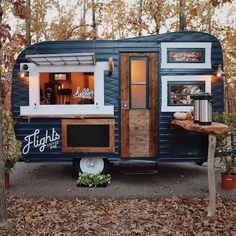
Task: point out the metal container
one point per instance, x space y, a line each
205 109
196 107
202 108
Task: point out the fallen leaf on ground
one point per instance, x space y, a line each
165 216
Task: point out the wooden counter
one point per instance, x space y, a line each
215 128
212 131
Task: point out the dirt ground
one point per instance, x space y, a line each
147 181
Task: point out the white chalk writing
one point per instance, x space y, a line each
48 140
85 93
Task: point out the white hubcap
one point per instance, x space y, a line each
92 165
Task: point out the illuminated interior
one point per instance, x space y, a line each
66 88
138 83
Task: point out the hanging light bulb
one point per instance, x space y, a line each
218 70
22 74
24 71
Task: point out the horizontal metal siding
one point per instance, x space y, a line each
165 133
103 50
24 127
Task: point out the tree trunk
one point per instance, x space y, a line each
94 24
83 21
140 18
209 19
3 210
28 26
182 17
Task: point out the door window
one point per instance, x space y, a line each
138 83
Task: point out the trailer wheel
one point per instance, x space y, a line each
199 163
92 165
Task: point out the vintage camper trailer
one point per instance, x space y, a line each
98 101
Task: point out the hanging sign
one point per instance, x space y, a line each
85 93
36 140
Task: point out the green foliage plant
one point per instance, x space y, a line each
11 146
226 144
93 180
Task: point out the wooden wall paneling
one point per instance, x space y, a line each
153 105
128 119
124 112
139 133
63 135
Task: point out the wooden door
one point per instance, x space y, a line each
139 91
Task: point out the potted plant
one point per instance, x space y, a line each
11 146
226 149
228 176
93 180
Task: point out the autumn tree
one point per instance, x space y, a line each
61 27
39 28
157 11
3 211
8 45
113 26
182 17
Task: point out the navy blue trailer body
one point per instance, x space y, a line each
113 99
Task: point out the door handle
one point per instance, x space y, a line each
124 104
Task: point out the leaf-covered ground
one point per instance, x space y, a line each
166 216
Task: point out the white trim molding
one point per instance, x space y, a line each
183 45
179 78
98 108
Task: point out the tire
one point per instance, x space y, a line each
199 163
91 165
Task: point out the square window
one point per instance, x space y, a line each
179 92
138 96
176 91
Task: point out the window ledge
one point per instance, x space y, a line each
53 111
66 116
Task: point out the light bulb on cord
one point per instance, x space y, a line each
219 71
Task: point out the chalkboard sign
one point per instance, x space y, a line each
87 135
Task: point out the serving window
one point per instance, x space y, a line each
66 88
88 135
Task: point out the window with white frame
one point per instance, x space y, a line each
179 92
66 90
186 55
176 91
